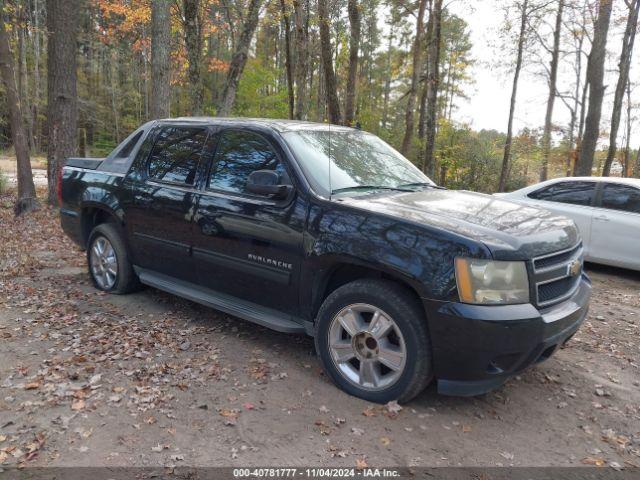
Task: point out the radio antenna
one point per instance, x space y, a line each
330 145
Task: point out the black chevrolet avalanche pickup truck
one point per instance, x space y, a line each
328 231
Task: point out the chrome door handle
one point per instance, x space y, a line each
602 218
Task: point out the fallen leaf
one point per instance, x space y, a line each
385 441
369 412
361 464
598 462
77 405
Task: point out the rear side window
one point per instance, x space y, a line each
240 153
175 154
575 193
621 197
129 146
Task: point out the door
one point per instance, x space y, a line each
161 210
246 245
616 226
572 199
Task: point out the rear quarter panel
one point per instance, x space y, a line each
84 189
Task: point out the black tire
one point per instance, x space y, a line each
408 315
126 280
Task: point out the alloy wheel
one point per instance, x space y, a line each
103 262
367 347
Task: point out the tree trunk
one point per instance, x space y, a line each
571 154
27 199
287 57
623 68
35 105
301 20
193 42
415 78
239 59
23 80
433 84
331 88
160 59
387 81
62 107
354 45
626 172
514 89
422 109
595 75
553 75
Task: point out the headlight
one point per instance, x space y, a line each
491 281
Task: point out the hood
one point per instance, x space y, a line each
510 230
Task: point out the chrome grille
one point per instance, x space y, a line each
556 276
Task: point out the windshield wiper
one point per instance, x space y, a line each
370 187
421 184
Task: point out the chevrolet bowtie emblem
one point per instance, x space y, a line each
574 268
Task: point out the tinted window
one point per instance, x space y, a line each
576 193
130 145
621 197
238 154
176 153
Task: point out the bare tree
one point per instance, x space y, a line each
354 45
415 78
433 83
301 21
553 75
387 80
595 76
239 59
623 67
514 89
287 56
62 114
573 100
27 199
331 87
160 62
193 41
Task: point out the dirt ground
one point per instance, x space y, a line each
88 379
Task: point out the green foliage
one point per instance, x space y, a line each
260 94
4 181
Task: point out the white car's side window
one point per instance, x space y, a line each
575 193
621 197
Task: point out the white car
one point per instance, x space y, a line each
605 209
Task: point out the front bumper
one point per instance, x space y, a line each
476 348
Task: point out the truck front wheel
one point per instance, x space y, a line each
109 265
373 342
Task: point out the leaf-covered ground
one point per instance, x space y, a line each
152 380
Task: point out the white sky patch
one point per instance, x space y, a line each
488 103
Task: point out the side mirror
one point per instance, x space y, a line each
267 182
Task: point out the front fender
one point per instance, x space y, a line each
418 255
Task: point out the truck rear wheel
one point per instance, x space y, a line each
108 259
373 342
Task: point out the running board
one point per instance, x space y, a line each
249 311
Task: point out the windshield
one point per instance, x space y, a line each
352 161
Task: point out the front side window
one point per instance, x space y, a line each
240 153
175 154
575 193
621 197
